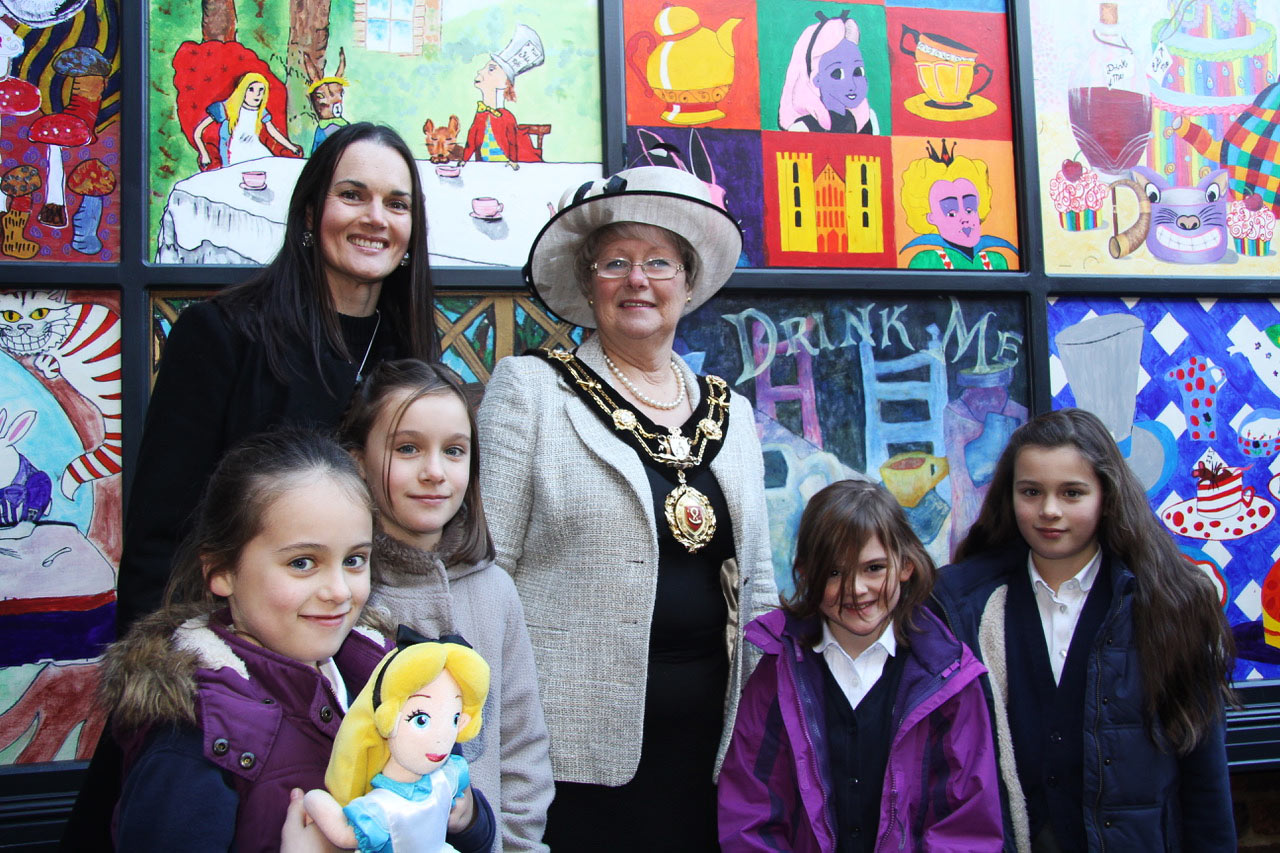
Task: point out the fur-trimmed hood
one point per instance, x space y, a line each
150 676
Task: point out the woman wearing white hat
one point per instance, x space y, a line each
627 500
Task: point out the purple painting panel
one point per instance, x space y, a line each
725 159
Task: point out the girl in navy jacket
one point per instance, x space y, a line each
1108 654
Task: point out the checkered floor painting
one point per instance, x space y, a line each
1239 337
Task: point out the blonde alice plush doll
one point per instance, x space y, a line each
392 778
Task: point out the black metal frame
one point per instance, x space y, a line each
34 798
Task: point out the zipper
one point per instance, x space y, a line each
893 791
803 700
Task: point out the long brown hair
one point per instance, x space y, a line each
836 524
1184 646
289 300
418 379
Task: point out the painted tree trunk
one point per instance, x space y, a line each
309 35
218 20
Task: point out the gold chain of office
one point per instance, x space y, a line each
689 513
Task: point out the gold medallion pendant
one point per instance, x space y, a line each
690 516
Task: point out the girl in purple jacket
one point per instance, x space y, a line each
864 726
230 696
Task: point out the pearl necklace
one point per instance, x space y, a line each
635 392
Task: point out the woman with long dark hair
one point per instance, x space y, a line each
350 287
1109 656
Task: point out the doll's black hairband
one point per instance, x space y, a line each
822 22
406 637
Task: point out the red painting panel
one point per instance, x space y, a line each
692 66
950 74
828 200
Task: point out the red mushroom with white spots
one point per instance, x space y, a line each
72 127
17 97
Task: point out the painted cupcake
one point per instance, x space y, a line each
1251 225
1078 196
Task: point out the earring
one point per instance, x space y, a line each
591 302
404 262
308 239
689 298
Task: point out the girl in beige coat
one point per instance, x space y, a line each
411 429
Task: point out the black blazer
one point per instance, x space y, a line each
214 389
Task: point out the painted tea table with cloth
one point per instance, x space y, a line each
215 217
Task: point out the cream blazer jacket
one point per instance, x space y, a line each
572 518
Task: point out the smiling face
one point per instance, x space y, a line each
300 584
635 308
366 222
1057 500
858 609
841 77
426 729
419 471
953 210
254 94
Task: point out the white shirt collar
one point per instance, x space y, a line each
886 640
1084 578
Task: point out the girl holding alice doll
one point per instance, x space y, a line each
864 726
227 700
1109 655
412 431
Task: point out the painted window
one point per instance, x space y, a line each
389 24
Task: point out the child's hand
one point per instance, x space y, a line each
463 811
330 822
299 833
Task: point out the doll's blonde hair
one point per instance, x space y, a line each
360 750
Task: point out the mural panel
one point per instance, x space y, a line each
920 393
1191 391
233 114
60 516
1160 149
874 135
60 132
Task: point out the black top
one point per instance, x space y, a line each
858 752
1046 719
684 694
841 122
214 389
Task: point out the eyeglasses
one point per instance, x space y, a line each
655 269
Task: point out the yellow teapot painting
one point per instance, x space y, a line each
689 67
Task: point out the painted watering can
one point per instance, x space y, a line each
690 69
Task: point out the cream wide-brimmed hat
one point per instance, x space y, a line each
652 195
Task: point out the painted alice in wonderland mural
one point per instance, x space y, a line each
1160 150
60 516
1191 391
920 393
60 131
856 135
511 120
